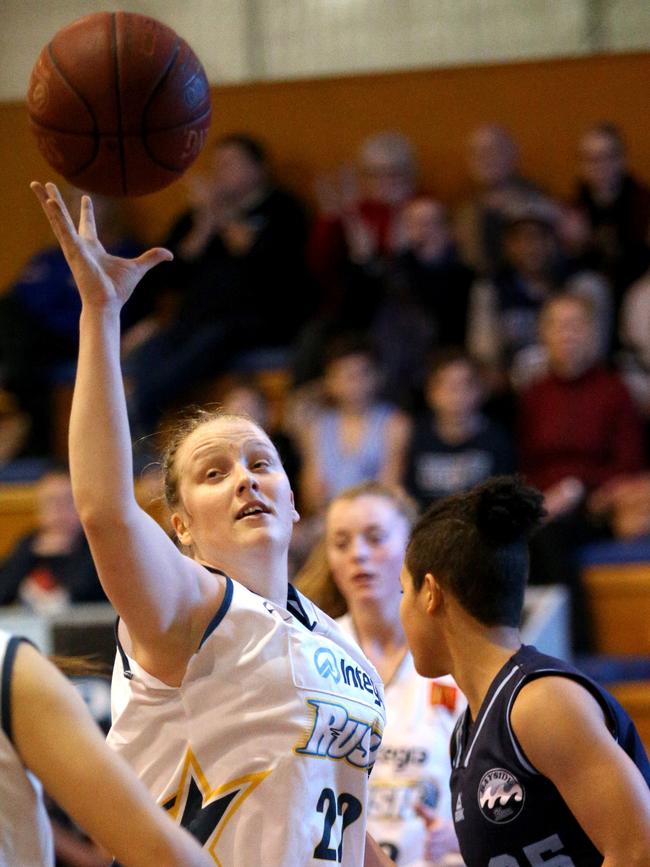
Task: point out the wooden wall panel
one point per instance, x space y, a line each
315 125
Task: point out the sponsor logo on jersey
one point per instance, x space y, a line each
400 758
500 796
337 735
337 668
327 664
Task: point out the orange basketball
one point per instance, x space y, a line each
119 104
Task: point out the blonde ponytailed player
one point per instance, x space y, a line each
47 736
355 575
244 710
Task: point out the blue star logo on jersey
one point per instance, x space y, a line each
327 664
204 811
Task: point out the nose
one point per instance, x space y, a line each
245 479
359 549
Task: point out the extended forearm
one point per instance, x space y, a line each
100 443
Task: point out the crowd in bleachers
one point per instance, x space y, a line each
424 343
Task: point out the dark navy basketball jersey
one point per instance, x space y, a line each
506 814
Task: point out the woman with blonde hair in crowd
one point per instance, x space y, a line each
353 574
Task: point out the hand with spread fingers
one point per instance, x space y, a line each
102 279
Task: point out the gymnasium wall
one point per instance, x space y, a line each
315 125
261 40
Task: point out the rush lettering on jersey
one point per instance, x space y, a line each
336 735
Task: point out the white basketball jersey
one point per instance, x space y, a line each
413 763
25 832
263 752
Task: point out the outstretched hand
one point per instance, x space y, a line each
103 280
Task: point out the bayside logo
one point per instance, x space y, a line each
329 666
500 796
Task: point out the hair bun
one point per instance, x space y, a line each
507 510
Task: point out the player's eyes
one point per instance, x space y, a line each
214 473
261 464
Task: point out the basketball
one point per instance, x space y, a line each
119 104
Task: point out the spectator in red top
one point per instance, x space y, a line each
578 429
358 222
578 422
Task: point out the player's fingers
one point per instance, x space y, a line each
153 257
54 194
51 209
87 226
39 191
42 195
57 211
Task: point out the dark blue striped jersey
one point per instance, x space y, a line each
506 814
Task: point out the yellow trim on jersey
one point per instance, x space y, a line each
191 766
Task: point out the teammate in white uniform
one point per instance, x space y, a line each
48 735
236 751
252 720
367 529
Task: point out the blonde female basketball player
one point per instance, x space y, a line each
47 736
244 710
356 574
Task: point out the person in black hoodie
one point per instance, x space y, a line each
238 280
617 208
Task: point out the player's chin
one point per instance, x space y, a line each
425 663
264 529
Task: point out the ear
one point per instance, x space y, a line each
433 594
295 517
183 533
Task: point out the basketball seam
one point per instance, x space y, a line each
164 76
159 162
101 135
69 84
116 67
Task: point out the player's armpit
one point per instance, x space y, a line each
562 730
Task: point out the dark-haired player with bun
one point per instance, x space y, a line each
547 768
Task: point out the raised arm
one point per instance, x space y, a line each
151 584
601 785
59 742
